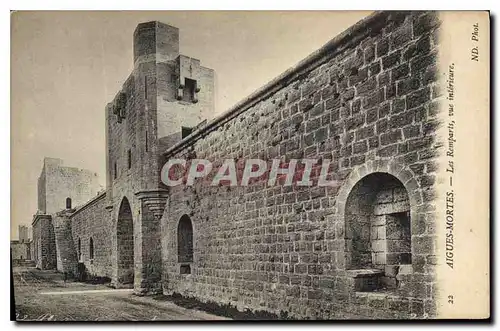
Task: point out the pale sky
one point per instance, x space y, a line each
66 66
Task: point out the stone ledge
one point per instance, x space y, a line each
378 295
359 273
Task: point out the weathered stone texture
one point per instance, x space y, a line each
44 245
93 220
66 255
366 105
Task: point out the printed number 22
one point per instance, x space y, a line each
450 299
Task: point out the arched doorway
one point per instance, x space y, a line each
125 245
377 220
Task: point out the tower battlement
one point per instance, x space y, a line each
156 41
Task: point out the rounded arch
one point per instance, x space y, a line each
185 239
359 215
390 167
377 222
125 243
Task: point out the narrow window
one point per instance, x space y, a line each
120 107
185 244
129 158
68 203
91 248
115 171
185 269
189 90
147 147
79 249
145 87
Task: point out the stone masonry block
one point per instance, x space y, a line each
390 208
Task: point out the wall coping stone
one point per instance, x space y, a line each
88 203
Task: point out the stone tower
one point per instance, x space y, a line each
23 234
165 95
58 183
59 187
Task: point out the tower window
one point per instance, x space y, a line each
145 87
147 147
119 106
189 90
129 158
115 171
68 203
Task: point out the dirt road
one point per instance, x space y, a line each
43 295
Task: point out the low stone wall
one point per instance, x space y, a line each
93 220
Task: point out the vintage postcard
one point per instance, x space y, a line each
191 165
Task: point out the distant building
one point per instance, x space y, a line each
23 234
21 248
59 188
